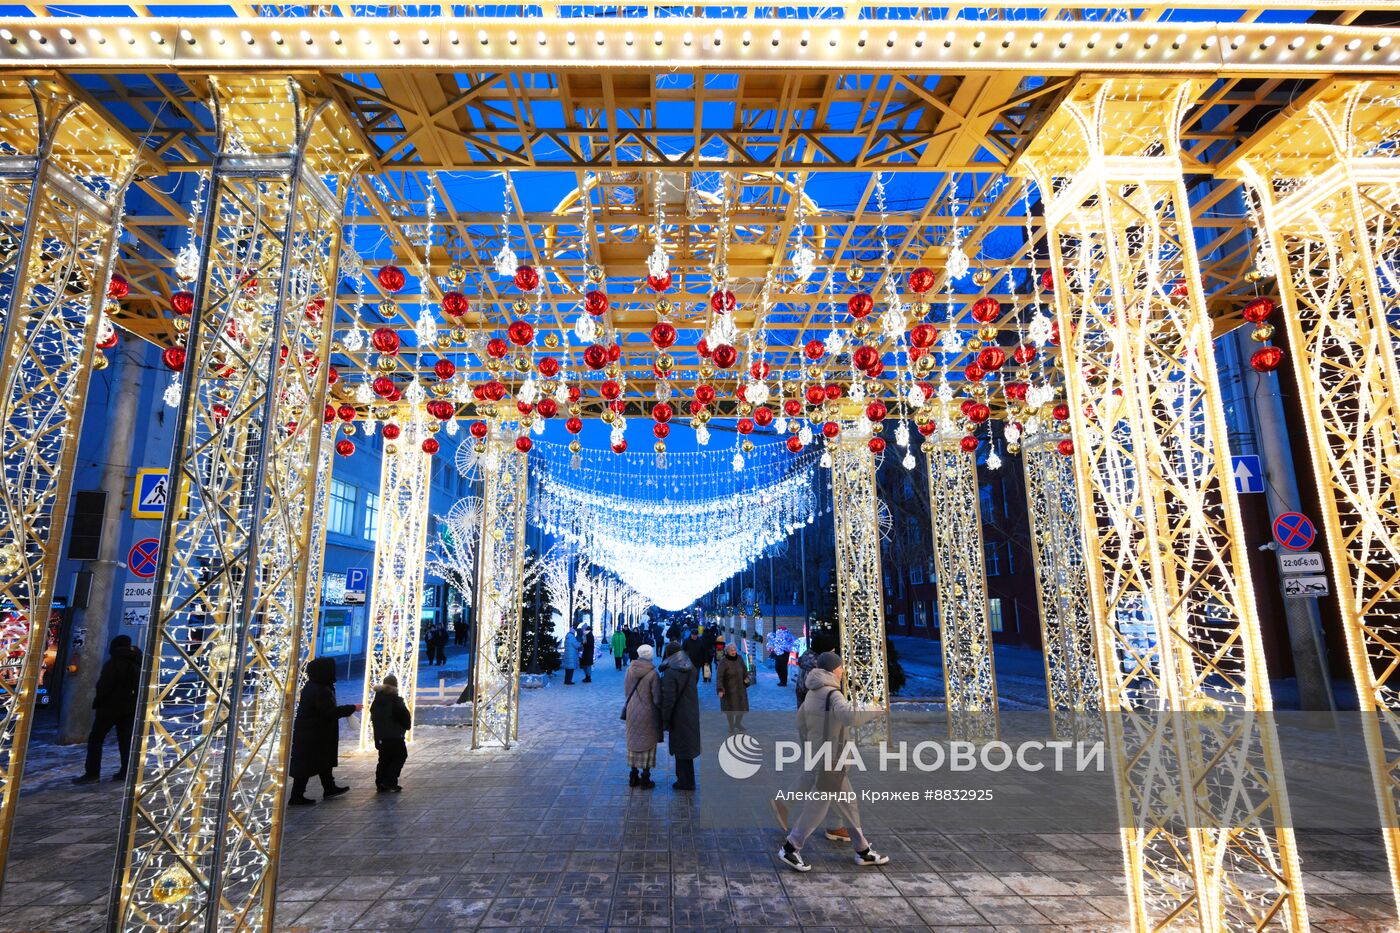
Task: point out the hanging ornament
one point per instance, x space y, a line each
723 301
658 264
391 278
1266 359
957 264
860 304
663 334
1041 331
836 343
505 262
756 393
993 460
520 332
171 395
174 358
585 329
106 332
921 280
986 309
804 262
702 435
187 263
425 329
182 303
907 462
385 340
659 282
345 447
526 278
725 356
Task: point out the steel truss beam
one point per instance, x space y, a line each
496 680
316 561
62 182
859 581
400 554
200 832
1062 577
969 673
1328 180
1206 831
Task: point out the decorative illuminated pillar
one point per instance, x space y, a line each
62 180
316 560
969 674
1328 179
1062 578
1202 798
200 830
860 601
400 560
505 498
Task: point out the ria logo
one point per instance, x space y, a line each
741 756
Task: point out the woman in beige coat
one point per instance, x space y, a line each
732 685
641 687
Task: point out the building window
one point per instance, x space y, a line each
994 614
371 515
901 620
920 614
916 575
341 519
993 554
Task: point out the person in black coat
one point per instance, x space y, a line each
114 702
699 653
389 716
585 652
316 733
680 713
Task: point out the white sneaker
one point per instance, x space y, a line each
871 857
792 858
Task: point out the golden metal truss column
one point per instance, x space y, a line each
316 560
496 678
969 673
400 559
1327 177
62 180
859 582
201 828
1202 798
1062 577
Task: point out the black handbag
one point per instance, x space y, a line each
628 701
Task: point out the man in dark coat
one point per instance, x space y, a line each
700 655
114 703
680 713
316 733
440 644
389 716
585 652
634 641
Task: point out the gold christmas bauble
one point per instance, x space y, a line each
919 308
575 447
1262 332
522 364
347 428
659 447
745 408
609 416
748 446
794 426
924 364
664 306
877 427
613 370
706 371
181 324
814 372
434 426
1064 427
979 390
440 389
526 420
443 340
855 273
981 277
987 332
99 361
391 449
551 340
703 415
493 364
921 417
665 362
520 306
456 275
460 334
861 328
973 343
594 274
498 533
386 364
575 408
173 886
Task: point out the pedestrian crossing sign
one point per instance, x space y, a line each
151 493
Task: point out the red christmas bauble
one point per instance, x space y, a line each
575 393
763 416
705 393
1266 359
702 347
927 389
1258 310
876 445
614 352
1047 280
478 429
526 278
830 429
793 407
659 283
815 396
1180 289
619 447
479 392
220 411
332 375
549 367
430 446
523 443
441 409
661 430
663 334
495 390
117 288
547 407
794 443
174 358
1054 333
345 412
595 357
876 411
497 348
744 426
974 373
383 386
921 280
760 369
618 405
968 444
392 432
860 305
815 350
1060 412
345 447
574 425
927 428
1025 353
1016 391
182 303
923 336
455 304
1065 447
315 306
391 278
833 391
723 301
520 333
385 340
979 412
986 309
725 356
662 412
991 358
609 389
865 356
444 369
596 303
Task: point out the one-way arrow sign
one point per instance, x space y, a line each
1248 473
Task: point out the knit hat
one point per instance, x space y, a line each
645 652
829 661
672 647
390 680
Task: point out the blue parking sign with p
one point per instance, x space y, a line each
356 578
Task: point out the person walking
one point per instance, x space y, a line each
781 642
634 641
316 733
429 646
571 647
732 685
389 716
585 654
680 713
440 644
825 716
114 707
459 631
641 686
700 655
617 644
817 644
